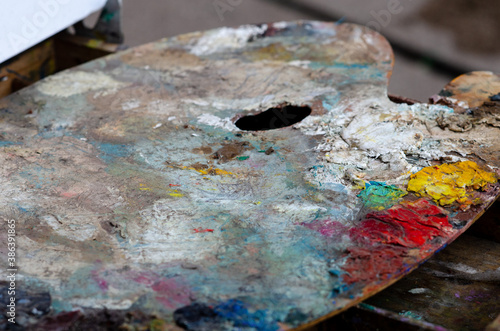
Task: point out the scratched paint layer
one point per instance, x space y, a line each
134 190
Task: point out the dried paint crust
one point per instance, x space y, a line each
449 183
133 189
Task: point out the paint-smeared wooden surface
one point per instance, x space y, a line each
138 201
458 289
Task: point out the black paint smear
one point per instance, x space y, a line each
95 319
274 118
198 317
495 97
295 317
445 93
458 224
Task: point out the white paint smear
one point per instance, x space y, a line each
226 39
418 290
68 83
215 121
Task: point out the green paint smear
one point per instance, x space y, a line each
243 158
380 196
107 16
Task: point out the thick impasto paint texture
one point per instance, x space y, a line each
147 190
449 183
411 224
380 196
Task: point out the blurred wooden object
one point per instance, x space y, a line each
71 50
27 68
58 53
495 326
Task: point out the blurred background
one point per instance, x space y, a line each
434 40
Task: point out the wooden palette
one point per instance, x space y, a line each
256 178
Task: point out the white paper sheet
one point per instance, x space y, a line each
24 23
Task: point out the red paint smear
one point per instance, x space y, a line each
172 294
200 230
411 225
365 264
101 282
386 238
169 292
328 228
68 194
174 185
145 278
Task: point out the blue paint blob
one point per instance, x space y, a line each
495 97
236 312
197 316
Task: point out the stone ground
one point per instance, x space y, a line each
435 40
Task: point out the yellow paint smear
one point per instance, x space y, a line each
175 193
172 193
143 187
448 183
211 171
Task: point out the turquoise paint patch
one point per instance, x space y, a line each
8 143
107 16
59 306
338 287
40 177
330 101
319 65
109 152
380 196
316 167
78 284
410 314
